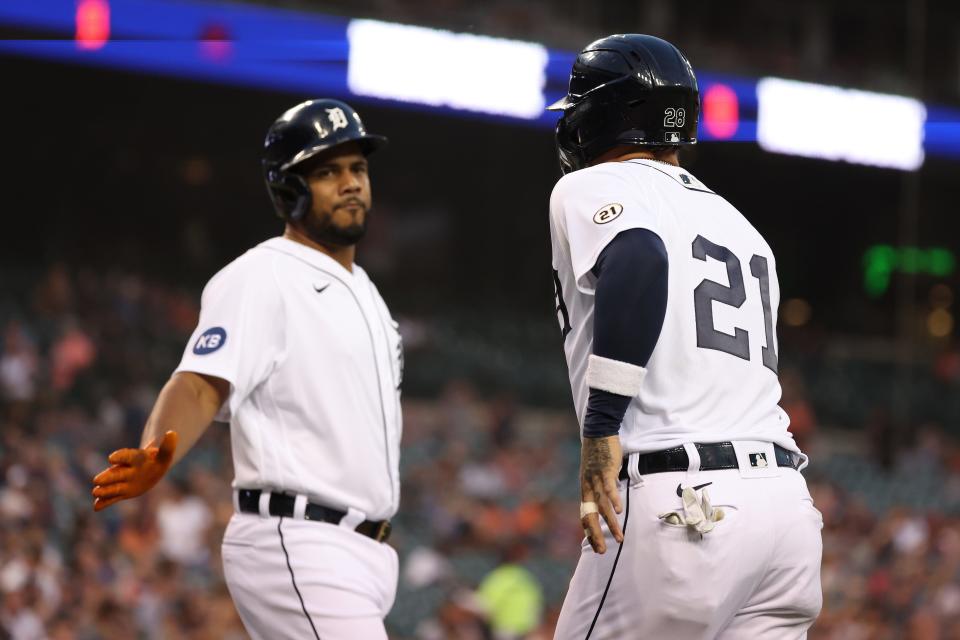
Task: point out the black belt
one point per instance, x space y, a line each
281 504
713 457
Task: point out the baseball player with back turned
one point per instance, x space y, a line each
296 349
698 523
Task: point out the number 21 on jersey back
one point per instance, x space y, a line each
709 292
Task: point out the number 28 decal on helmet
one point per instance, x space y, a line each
674 117
608 213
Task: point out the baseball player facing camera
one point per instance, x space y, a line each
698 523
296 349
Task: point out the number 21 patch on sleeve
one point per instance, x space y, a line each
608 213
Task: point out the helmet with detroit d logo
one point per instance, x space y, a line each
628 89
302 132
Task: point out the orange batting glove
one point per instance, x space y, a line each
133 472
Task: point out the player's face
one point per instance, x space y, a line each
340 186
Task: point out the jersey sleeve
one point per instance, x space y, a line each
240 334
593 206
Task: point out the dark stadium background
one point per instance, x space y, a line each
107 156
118 182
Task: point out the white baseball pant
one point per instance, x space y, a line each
756 575
295 579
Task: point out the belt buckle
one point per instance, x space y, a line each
383 531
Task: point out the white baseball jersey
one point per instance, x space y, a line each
712 375
314 362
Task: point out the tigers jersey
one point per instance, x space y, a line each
314 362
713 374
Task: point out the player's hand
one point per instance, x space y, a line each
600 460
133 472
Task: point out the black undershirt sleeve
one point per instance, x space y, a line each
629 307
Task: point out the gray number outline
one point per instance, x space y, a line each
761 271
561 308
708 290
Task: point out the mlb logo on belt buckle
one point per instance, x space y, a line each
758 460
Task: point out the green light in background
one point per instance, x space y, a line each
881 260
878 263
912 260
941 262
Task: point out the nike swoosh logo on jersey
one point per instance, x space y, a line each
321 289
696 488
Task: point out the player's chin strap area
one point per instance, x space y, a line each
697 513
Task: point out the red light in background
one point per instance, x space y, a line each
721 111
93 24
215 42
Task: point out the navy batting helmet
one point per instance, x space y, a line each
299 134
628 89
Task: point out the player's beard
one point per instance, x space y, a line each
322 229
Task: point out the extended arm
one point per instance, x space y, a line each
187 405
184 409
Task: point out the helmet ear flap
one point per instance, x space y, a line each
290 194
581 135
569 151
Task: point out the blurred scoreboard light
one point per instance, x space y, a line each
721 111
833 123
882 260
942 133
215 42
423 68
93 24
445 69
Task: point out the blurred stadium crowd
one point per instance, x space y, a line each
487 530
